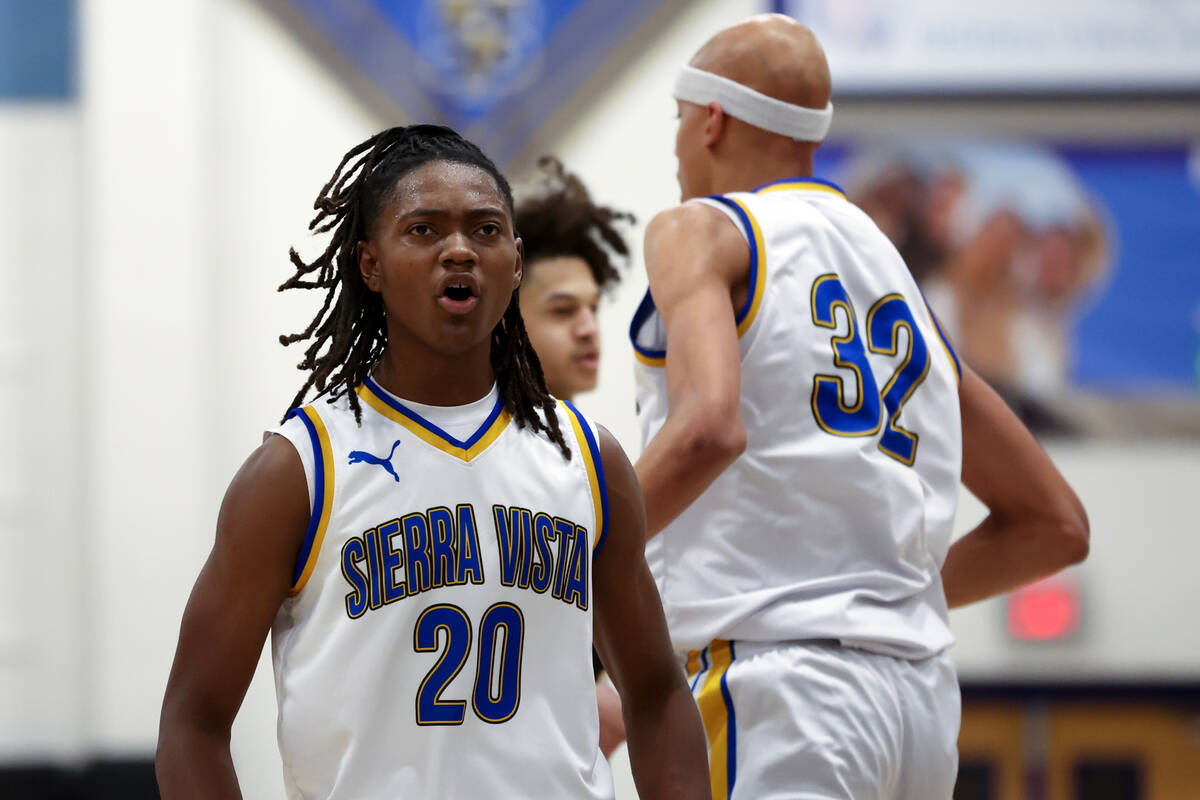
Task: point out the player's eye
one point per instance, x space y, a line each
489 229
420 229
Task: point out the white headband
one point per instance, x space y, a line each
797 122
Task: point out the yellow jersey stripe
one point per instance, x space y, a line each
431 434
758 263
648 356
650 361
595 472
322 497
813 186
716 711
950 354
693 662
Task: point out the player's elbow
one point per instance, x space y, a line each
187 734
713 437
166 753
1073 536
1064 537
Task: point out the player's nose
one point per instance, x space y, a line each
586 324
457 248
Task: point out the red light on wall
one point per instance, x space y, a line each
1045 610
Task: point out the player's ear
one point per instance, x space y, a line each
519 267
714 123
368 265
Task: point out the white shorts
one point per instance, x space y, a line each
813 720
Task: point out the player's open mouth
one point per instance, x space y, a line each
458 296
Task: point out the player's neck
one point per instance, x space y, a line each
436 381
748 173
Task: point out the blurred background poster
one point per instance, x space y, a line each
1067 274
1067 269
939 46
495 70
1035 162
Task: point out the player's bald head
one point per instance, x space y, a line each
772 54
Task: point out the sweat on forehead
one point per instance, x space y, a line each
448 178
444 178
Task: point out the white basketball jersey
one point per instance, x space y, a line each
835 521
437 642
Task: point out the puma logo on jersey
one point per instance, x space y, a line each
363 457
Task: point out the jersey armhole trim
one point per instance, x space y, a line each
318 521
590 451
758 263
945 342
648 356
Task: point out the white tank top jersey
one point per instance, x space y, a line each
437 640
835 521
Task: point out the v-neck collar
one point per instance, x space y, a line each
394 409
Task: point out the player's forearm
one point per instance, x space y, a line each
612 724
192 762
1000 555
680 462
667 752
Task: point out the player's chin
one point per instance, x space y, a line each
585 379
460 334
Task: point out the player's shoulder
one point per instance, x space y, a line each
319 428
270 480
694 236
328 412
691 219
579 429
592 440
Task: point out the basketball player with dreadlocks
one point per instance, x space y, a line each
568 242
427 538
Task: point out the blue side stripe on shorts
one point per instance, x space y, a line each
703 668
731 725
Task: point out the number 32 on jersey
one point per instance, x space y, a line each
887 317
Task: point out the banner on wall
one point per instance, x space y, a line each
1068 275
930 46
492 69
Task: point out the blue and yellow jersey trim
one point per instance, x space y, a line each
374 396
945 342
745 315
590 450
648 356
318 521
810 184
758 263
716 712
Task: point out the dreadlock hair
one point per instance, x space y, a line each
559 218
349 333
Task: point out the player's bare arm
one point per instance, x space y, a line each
247 576
697 263
667 750
1035 524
